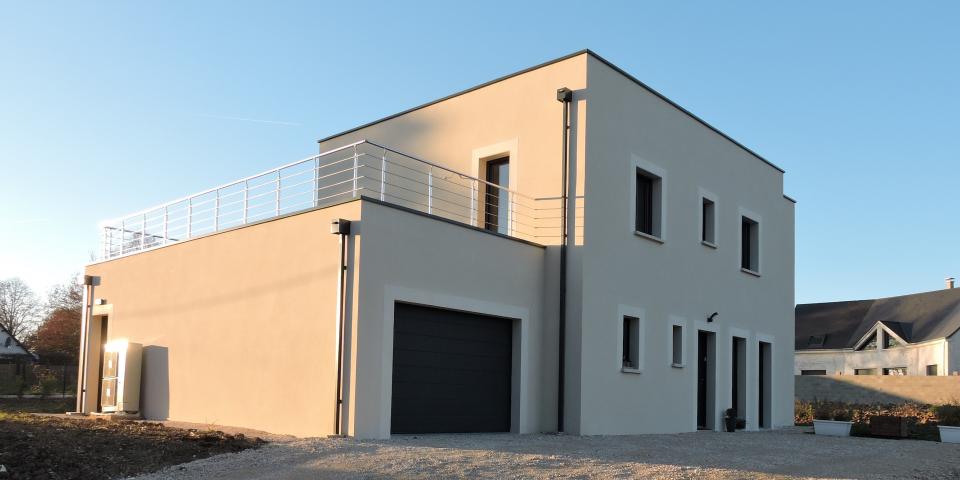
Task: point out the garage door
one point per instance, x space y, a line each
451 371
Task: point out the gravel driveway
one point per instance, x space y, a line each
788 453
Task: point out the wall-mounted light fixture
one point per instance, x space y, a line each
712 316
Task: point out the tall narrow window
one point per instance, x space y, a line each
648 201
749 244
496 200
631 343
677 346
708 222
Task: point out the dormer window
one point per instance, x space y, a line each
871 343
889 341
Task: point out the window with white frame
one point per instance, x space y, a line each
708 221
649 197
630 338
676 332
749 244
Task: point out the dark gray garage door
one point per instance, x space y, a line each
451 371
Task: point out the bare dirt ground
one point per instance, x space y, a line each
38 447
788 453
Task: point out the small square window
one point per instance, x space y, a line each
749 244
932 371
648 203
708 221
631 343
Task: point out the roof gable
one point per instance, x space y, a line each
914 318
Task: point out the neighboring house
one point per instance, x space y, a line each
11 350
906 335
678 260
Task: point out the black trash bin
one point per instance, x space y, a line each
730 420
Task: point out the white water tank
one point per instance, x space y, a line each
120 383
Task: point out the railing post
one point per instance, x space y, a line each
216 211
473 202
123 235
246 189
106 242
355 173
166 219
143 231
276 206
189 217
316 182
430 190
383 175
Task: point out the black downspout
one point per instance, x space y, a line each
564 95
341 228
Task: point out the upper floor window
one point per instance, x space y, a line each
708 221
648 203
749 244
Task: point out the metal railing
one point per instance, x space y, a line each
361 168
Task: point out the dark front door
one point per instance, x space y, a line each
451 371
496 202
702 363
763 392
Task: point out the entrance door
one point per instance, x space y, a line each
705 381
103 351
496 202
738 376
763 375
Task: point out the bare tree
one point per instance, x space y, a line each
66 296
19 307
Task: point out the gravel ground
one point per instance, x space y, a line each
787 453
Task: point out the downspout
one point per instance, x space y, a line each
565 96
341 228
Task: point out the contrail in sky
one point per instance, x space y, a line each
254 120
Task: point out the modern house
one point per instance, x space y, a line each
906 335
562 249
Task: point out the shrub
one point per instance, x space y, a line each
49 385
948 415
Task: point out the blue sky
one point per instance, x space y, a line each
110 107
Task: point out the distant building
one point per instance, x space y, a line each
906 335
11 350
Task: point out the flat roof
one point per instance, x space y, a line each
551 62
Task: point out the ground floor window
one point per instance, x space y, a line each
865 371
631 342
895 371
813 372
932 370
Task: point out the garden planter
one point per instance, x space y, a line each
832 428
949 434
888 426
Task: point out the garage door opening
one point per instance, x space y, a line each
451 371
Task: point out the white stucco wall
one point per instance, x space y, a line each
678 279
915 357
412 258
